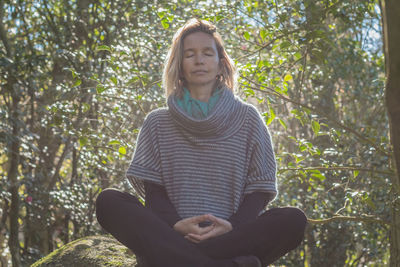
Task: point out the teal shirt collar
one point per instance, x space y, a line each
196 108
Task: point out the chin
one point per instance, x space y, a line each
202 81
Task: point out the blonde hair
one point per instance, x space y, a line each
173 73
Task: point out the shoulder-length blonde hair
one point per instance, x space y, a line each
173 73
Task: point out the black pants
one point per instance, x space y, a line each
269 237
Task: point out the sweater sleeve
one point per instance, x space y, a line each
250 208
261 176
157 200
146 163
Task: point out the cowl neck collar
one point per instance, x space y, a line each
223 120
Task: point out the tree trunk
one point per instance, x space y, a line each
391 26
13 148
13 151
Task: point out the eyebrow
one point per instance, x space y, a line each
192 49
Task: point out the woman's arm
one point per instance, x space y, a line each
250 208
158 201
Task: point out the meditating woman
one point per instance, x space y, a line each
205 166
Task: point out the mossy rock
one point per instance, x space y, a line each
91 251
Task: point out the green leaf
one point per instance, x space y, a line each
161 14
263 34
100 88
82 141
319 175
57 119
122 150
171 18
77 82
165 23
72 72
249 92
246 35
316 127
282 123
366 198
284 45
114 80
306 110
355 173
298 159
86 107
297 55
288 77
114 142
103 48
272 115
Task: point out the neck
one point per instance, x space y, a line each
202 93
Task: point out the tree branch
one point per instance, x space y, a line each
316 111
59 165
3 33
336 168
365 219
266 45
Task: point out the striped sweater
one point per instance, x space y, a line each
206 165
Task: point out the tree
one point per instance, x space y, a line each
391 23
77 79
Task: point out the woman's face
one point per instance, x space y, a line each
200 60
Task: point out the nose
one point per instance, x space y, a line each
199 59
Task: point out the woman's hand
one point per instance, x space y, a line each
191 225
219 226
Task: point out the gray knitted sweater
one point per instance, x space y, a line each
207 165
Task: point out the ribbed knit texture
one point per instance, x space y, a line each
206 165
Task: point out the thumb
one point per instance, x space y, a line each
211 218
197 219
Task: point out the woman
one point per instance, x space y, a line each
206 168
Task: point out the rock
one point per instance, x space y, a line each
91 251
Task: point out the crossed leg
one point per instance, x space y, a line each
269 237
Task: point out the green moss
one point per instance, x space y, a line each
113 262
56 253
93 251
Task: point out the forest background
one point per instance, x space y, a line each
78 77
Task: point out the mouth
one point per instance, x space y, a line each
199 72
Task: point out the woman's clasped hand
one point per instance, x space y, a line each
192 231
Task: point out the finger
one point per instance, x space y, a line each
191 239
211 218
208 235
207 217
218 220
196 238
221 222
198 218
204 230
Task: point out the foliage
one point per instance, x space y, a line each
77 79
